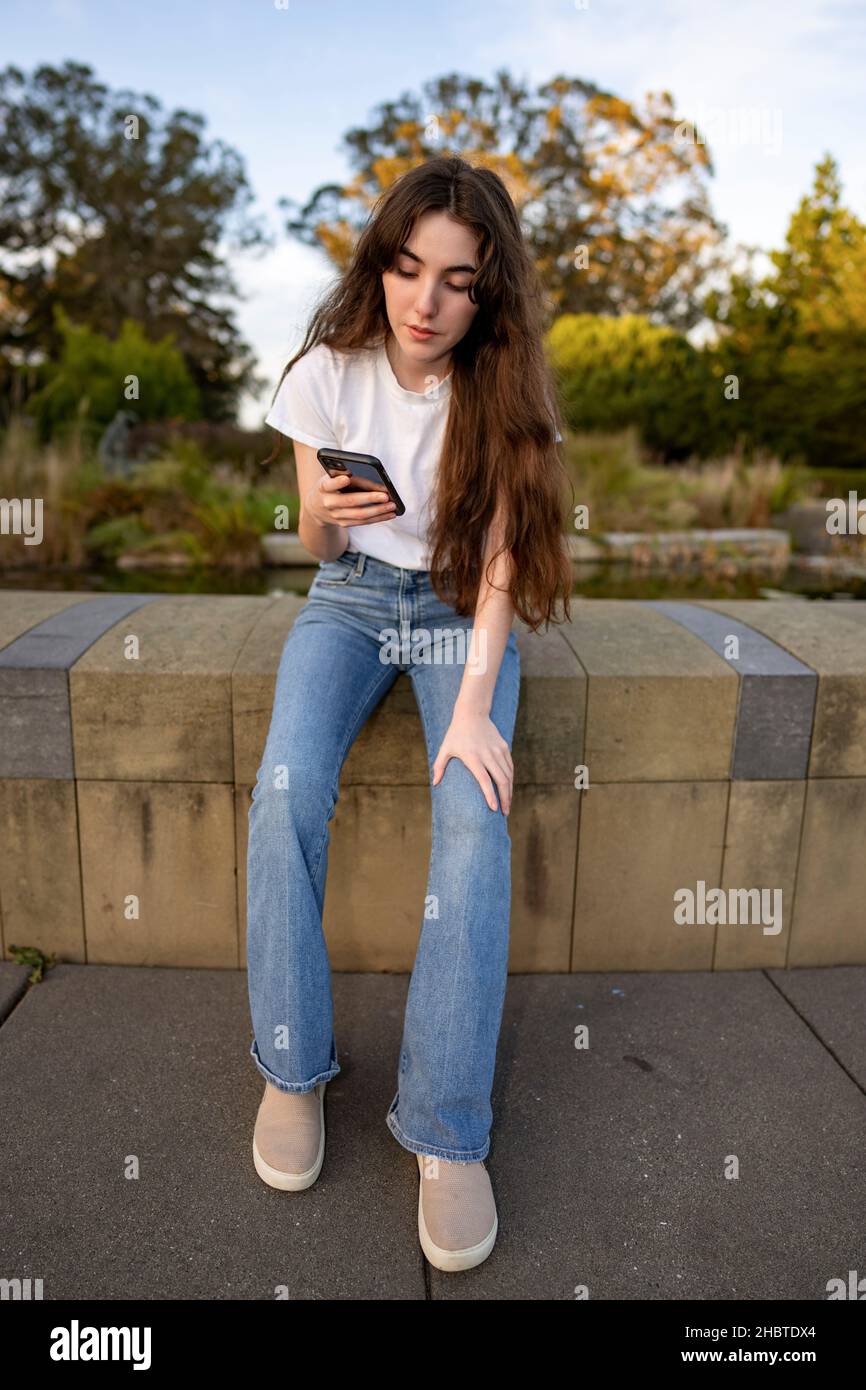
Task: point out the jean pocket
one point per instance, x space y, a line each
335 573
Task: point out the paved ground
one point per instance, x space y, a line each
608 1164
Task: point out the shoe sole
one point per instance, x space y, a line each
451 1260
293 1182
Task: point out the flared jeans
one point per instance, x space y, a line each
365 621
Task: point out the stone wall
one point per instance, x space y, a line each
125 785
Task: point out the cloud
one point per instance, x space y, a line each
280 292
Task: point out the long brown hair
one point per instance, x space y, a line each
499 442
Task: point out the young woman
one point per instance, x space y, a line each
428 355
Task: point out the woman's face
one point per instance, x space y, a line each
427 287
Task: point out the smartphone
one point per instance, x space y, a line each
368 472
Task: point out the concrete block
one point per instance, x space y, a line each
171 848
166 716
661 705
639 844
761 849
829 925
40 878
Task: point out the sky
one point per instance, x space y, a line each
280 81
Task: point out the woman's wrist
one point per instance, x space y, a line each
325 540
471 700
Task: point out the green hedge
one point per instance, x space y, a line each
617 372
805 403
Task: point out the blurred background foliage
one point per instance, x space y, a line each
697 389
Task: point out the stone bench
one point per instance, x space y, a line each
125 784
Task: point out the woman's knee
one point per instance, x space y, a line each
461 810
286 794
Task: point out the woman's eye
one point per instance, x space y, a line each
413 275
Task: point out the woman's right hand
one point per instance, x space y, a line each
328 508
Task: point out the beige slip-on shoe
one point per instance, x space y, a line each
457 1220
289 1137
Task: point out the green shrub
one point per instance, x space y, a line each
617 372
88 383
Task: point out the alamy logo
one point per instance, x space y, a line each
846 518
16 518
734 907
75 1343
855 1288
442 647
20 1290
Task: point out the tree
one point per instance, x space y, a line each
113 210
796 337
585 168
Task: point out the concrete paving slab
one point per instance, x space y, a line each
106 1067
609 1162
832 1002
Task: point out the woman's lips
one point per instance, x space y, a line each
422 334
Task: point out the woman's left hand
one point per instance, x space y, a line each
476 741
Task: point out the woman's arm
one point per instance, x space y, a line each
472 736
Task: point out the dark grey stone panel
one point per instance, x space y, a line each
35 717
777 693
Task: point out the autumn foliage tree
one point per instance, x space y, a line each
613 201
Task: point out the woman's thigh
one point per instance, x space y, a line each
329 680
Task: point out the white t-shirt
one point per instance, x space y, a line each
354 401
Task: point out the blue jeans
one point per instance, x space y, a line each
330 679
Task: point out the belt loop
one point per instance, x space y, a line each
359 563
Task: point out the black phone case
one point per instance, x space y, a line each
337 461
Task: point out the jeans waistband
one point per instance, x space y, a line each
362 560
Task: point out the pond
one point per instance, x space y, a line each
591 580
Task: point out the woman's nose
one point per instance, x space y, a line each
425 304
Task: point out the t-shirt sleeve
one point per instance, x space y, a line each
303 405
